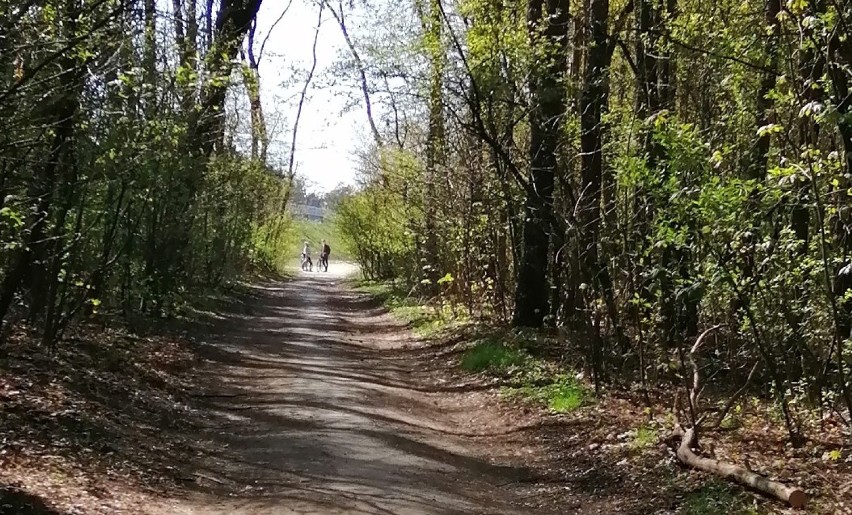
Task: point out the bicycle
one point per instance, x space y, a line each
307 264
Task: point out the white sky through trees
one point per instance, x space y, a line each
329 134
333 126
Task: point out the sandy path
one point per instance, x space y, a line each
317 410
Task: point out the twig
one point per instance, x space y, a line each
217 395
209 478
735 396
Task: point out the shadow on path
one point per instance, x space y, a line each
16 502
317 409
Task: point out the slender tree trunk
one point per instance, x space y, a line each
291 166
251 79
340 16
594 103
757 159
430 260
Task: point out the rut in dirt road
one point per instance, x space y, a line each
322 415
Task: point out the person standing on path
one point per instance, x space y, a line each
307 264
324 253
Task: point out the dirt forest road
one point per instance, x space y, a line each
319 410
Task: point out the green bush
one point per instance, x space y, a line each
378 225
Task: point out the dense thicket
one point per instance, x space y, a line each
121 187
627 171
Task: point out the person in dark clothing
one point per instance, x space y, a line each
325 251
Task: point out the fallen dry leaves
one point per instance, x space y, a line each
95 427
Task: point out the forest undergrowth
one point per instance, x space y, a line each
538 372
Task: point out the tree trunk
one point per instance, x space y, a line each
251 79
30 264
593 104
547 93
233 22
756 163
430 260
340 17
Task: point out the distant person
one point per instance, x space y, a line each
324 253
307 264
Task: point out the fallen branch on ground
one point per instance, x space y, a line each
795 496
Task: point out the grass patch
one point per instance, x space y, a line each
564 395
383 292
493 357
513 356
646 436
425 321
716 499
499 353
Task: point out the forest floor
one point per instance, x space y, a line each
306 396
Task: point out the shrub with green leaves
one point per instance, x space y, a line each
374 225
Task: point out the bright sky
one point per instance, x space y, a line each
328 134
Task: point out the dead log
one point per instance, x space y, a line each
796 497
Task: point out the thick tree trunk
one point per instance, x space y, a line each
233 22
548 98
